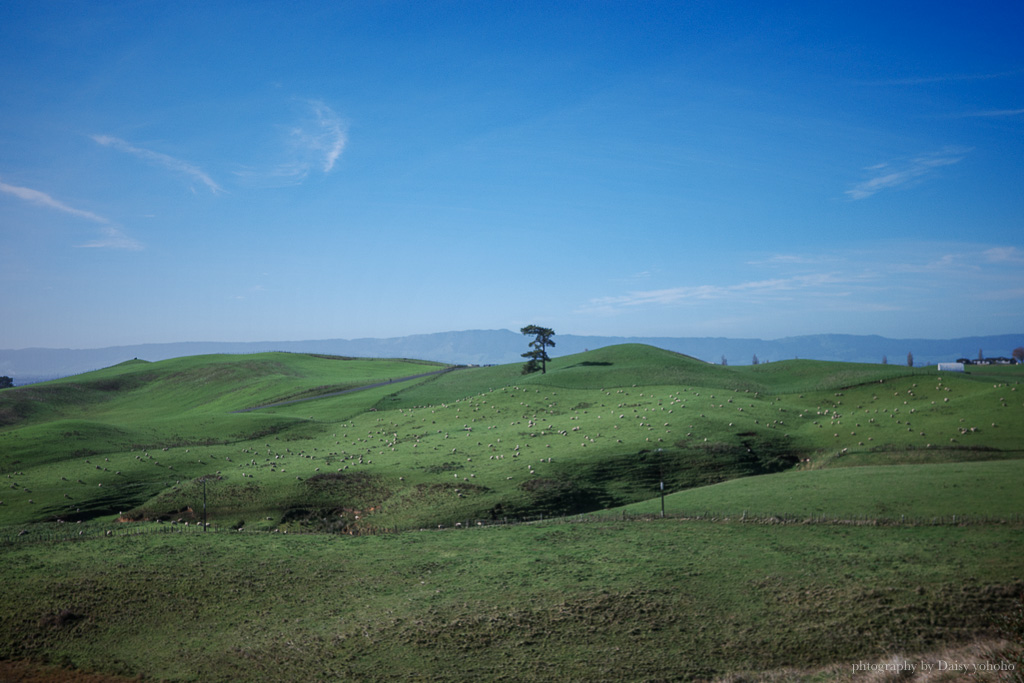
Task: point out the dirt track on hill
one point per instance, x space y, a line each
346 391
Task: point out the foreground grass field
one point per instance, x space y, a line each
658 600
900 489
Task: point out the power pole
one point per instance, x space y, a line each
661 474
204 504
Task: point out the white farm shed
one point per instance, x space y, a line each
951 367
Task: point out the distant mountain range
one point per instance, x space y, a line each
485 347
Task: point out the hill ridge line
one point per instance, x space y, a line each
491 347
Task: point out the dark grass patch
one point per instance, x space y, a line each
551 497
62 619
262 432
186 500
337 502
443 467
361 487
15 411
126 382
627 478
434 504
127 497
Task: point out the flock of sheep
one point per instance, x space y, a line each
534 427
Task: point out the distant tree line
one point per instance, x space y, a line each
1016 357
755 361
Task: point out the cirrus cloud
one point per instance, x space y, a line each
675 295
315 141
160 159
111 236
329 137
893 174
43 199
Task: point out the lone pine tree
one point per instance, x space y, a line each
538 355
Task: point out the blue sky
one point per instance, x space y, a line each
242 171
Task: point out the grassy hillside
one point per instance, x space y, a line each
149 447
599 430
659 600
64 441
973 491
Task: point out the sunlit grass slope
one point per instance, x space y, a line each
64 441
604 599
200 384
599 430
969 491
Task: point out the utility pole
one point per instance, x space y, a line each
204 505
661 474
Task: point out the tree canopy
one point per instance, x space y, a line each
538 354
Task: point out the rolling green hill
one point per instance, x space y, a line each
328 446
599 430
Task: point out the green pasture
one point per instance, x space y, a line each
140 391
599 430
141 428
290 582
976 491
656 600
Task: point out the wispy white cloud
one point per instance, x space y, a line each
1009 255
872 286
314 142
113 238
889 175
1003 295
787 260
944 263
993 113
332 136
321 139
284 174
696 293
944 78
43 199
167 161
250 292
